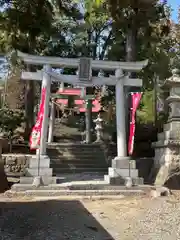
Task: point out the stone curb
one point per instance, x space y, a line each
81 193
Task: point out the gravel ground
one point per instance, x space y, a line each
126 219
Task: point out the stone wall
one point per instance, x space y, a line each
15 164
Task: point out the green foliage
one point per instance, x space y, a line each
10 120
85 36
145 113
58 28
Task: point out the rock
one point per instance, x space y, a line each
154 194
162 175
160 191
21 160
11 160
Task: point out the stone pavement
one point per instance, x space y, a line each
130 218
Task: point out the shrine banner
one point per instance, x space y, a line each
35 136
135 98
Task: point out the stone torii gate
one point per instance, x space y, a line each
85 79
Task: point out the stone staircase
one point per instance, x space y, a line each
77 158
67 130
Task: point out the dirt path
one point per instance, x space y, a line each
126 219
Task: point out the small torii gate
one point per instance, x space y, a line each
84 79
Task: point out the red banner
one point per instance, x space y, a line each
135 97
36 131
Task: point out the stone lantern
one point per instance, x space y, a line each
99 128
167 148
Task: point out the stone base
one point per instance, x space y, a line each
83 190
123 163
39 167
167 152
45 180
33 172
122 181
43 162
117 172
77 194
123 168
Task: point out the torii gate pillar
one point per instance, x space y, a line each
120 116
40 164
122 168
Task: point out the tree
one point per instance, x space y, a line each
9 121
176 47
59 28
90 37
24 22
28 27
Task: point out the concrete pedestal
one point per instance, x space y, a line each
123 168
45 172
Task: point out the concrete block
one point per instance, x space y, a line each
115 172
25 182
123 163
161 136
172 125
121 181
32 172
43 162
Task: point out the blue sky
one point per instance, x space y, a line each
174 4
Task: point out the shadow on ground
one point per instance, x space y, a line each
173 182
55 220
4 185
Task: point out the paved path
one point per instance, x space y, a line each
127 219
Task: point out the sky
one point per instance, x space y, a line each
174 4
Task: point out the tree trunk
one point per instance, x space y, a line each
29 106
88 115
10 143
131 44
30 93
3 178
131 41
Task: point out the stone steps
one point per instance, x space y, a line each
76 148
69 169
75 161
74 166
63 130
77 158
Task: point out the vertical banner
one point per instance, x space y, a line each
35 136
135 99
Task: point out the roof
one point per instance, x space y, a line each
79 102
